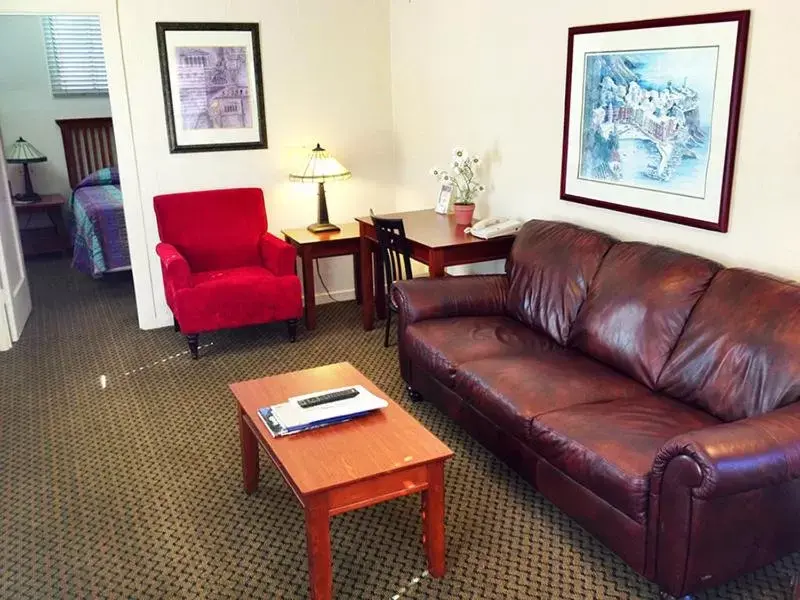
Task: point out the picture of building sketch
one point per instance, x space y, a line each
646 119
213 87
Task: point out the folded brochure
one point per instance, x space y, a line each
289 417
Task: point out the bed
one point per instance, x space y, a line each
96 216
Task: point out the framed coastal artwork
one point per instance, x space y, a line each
651 116
211 80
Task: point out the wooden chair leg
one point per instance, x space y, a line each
292 323
194 342
388 326
175 325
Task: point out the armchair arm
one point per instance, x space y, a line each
177 273
277 255
736 457
469 295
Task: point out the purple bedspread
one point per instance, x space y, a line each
99 237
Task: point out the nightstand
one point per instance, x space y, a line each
310 246
43 240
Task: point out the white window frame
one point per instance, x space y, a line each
74 51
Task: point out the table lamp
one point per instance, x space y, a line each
321 167
22 152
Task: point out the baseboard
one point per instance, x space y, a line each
337 295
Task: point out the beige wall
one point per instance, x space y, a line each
490 76
326 79
27 106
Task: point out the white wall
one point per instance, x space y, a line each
27 106
326 79
490 76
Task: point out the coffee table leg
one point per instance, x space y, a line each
318 546
249 455
433 520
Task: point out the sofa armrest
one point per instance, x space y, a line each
461 296
736 457
277 255
176 269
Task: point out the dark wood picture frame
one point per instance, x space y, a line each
742 18
174 147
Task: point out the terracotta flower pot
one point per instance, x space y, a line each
464 213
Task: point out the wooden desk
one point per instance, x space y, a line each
311 246
43 240
436 241
344 467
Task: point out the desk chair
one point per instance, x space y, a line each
395 251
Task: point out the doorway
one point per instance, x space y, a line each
122 130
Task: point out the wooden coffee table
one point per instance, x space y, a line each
347 466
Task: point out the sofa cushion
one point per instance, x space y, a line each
739 355
550 268
638 305
609 447
512 390
440 345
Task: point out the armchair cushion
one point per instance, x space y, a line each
736 457
228 298
609 447
276 255
214 229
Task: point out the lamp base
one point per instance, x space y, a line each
27 198
322 227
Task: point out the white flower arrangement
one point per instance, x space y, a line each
464 168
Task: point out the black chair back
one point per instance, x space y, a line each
395 249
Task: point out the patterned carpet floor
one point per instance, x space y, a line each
133 490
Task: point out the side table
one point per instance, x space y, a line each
311 246
43 240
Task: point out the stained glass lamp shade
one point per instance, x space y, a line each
321 167
23 153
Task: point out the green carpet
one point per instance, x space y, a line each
134 490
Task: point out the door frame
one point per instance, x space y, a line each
118 97
5 331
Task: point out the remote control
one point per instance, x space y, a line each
326 398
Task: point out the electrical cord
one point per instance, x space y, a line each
322 281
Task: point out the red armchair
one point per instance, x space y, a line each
221 267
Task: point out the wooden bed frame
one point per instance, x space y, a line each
88 146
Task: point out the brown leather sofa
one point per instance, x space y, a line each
650 394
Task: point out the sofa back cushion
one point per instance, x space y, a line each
739 355
638 305
550 268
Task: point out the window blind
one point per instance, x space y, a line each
74 49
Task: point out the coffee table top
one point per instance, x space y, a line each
386 441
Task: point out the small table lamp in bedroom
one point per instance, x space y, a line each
22 152
321 167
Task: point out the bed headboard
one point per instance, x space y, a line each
88 146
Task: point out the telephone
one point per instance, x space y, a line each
494 227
